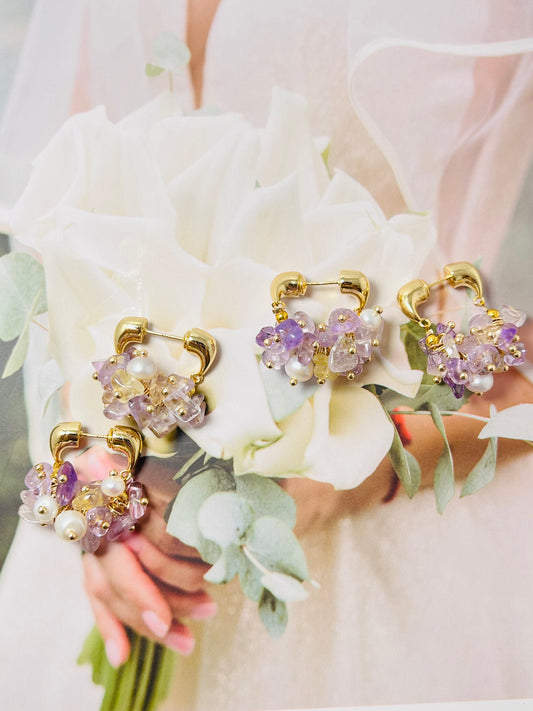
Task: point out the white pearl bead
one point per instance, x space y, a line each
70 525
112 486
141 368
370 319
297 370
480 383
45 508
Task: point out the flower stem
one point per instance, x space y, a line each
253 560
445 413
39 324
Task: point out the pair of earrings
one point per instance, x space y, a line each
347 340
104 510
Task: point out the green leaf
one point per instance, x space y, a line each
250 579
152 70
512 423
267 498
18 354
276 546
284 587
183 520
411 333
141 684
404 464
169 52
484 471
22 286
225 518
226 567
443 479
273 614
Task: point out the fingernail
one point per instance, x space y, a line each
181 642
155 624
204 611
113 654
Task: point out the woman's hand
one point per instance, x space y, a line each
148 581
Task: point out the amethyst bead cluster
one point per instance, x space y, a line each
89 513
492 345
133 386
339 347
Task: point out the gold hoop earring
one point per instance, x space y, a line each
134 386
491 345
89 512
339 347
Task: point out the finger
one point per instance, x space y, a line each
96 463
184 574
117 645
154 528
196 606
117 579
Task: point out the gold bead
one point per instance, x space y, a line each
293 381
351 376
492 335
269 364
491 368
463 376
432 340
505 368
63 479
267 342
132 528
42 510
113 472
182 412
316 345
322 326
117 395
442 368
320 381
451 325
474 330
516 338
352 350
144 501
375 342
341 318
95 375
513 349
113 360
437 380
172 379
39 468
84 489
71 534
281 316
517 354
143 353
104 525
459 338
301 324
150 409
493 313
164 392
277 338
379 310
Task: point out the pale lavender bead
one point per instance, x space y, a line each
119 526
95 517
483 356
66 491
200 405
33 481
302 318
350 323
449 344
441 328
30 496
455 368
506 336
363 334
468 345
136 509
182 385
424 346
290 333
357 370
518 359
512 315
364 350
305 350
114 408
434 361
340 359
26 512
277 355
480 320
137 408
325 338
90 542
135 491
107 370
266 333
185 409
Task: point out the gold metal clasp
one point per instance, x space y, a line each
295 284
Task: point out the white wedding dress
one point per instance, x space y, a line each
413 606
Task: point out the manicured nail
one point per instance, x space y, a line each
113 654
181 642
155 624
204 611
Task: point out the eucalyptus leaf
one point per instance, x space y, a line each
152 70
404 464
411 333
183 520
283 399
443 478
267 498
209 550
484 471
513 423
275 546
169 52
273 614
250 579
22 285
226 567
225 518
284 587
18 354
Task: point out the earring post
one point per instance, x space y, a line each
165 335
